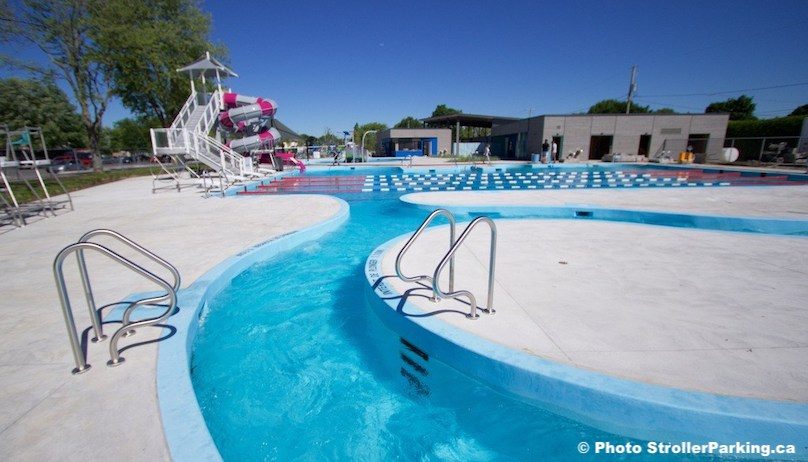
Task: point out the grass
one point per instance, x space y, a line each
73 182
472 159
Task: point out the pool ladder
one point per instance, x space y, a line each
128 326
449 258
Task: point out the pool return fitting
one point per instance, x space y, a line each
128 326
449 257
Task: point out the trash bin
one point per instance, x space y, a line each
536 158
277 163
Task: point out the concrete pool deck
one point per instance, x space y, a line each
49 414
697 310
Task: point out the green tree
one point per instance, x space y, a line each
740 108
142 44
442 110
613 106
61 29
370 140
328 138
132 134
409 122
800 111
664 110
37 103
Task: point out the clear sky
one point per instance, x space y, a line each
331 64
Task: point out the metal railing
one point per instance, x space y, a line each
491 265
449 258
128 327
416 235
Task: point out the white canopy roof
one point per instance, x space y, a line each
208 67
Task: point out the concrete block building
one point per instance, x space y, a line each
402 142
596 135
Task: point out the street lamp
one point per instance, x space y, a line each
364 156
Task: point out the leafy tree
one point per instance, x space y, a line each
409 122
664 110
370 140
740 108
142 44
132 134
442 110
37 103
613 106
800 111
328 138
61 30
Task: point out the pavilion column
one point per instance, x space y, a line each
457 138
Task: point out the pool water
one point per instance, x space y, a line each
291 364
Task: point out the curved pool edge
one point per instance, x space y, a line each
625 407
184 428
779 226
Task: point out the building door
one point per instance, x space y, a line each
600 146
645 145
427 147
559 141
699 142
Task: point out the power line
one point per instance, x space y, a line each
729 91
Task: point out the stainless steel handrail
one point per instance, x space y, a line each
85 279
415 235
491 266
67 311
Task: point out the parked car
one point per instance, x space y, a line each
66 163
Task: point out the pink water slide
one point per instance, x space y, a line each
246 144
243 109
290 158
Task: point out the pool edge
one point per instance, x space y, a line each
613 404
184 427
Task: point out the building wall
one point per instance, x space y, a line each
626 130
444 136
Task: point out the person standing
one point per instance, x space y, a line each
554 151
545 151
487 154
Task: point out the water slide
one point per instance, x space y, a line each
289 157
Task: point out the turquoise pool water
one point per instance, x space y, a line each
290 364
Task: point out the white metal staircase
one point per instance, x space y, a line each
189 137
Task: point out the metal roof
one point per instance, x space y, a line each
469 120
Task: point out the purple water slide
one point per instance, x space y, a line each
248 143
244 108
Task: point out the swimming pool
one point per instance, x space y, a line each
352 179
290 364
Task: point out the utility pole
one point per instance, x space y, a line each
632 87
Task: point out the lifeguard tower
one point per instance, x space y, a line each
26 149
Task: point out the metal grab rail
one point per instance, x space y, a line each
449 257
67 311
415 235
85 279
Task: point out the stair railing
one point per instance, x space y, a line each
127 328
449 257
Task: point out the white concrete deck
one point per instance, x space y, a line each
697 310
112 413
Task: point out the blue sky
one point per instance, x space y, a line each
332 64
